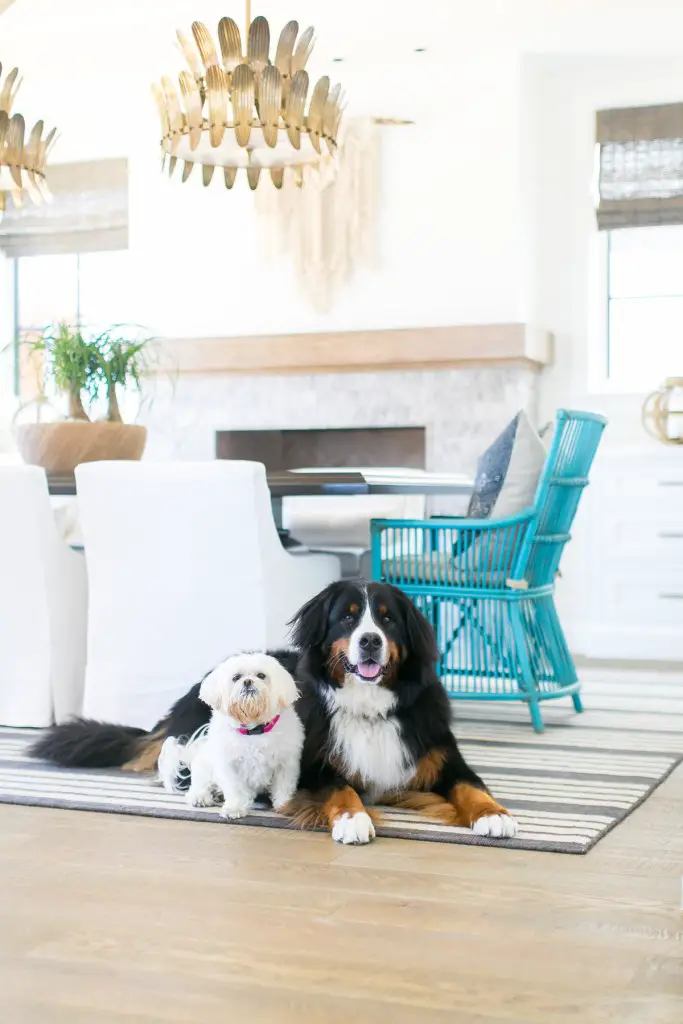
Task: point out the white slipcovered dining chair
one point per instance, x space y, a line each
185 567
43 601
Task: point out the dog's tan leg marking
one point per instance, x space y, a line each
428 770
466 807
484 815
472 803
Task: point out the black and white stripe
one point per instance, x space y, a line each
567 788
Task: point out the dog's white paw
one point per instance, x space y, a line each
233 810
280 805
280 798
496 826
353 828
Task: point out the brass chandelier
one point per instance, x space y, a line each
237 111
22 160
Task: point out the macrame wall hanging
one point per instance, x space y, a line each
329 225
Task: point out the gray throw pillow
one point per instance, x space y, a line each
508 472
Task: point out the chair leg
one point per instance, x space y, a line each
527 682
558 651
556 647
536 718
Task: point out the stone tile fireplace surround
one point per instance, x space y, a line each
461 409
458 385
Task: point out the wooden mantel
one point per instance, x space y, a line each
414 348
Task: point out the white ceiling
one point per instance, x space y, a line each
89 63
380 31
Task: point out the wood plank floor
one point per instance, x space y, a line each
108 918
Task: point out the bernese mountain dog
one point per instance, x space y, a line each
377 721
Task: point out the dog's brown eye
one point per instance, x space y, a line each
260 675
236 678
383 613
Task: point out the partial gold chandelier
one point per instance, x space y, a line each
246 111
22 163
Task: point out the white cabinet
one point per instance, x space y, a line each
622 595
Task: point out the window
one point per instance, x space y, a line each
644 306
91 288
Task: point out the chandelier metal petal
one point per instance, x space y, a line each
22 158
235 111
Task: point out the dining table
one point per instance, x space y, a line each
319 482
312 482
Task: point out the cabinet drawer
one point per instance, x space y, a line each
644 598
662 505
651 538
662 484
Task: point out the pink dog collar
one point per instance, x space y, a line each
259 730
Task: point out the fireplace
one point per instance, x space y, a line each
342 448
439 420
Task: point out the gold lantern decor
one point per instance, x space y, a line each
234 111
663 412
22 159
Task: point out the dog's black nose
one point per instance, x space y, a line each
248 684
370 643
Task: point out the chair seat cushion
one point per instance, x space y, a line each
441 569
343 521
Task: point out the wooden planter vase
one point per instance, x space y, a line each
59 447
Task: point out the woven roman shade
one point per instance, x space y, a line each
89 212
640 174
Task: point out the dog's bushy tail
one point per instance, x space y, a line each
85 743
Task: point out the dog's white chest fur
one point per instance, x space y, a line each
366 738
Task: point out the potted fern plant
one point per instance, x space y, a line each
122 363
83 367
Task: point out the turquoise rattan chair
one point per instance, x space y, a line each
487 586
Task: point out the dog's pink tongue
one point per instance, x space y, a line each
368 669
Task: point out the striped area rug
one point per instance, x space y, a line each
566 790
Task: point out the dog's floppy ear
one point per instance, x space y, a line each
212 688
285 689
421 637
309 625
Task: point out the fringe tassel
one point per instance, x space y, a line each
329 225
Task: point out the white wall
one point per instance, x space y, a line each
564 278
484 205
448 235
7 400
486 211
564 274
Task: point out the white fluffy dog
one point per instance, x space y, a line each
252 744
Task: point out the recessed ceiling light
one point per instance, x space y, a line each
337 60
420 49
